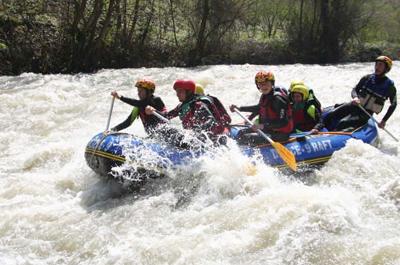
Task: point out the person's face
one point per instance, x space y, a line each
380 68
265 88
297 97
143 93
181 94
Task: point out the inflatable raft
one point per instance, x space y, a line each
106 152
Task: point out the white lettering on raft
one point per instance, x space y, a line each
321 145
308 148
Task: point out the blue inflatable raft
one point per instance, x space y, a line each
107 151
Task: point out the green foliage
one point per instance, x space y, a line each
85 35
3 46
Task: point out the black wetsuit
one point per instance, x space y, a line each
150 122
351 116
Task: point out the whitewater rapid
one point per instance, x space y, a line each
55 210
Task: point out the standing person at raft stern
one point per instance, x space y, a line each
145 90
274 110
370 93
197 113
306 107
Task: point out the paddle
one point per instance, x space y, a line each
372 118
106 132
158 115
109 115
286 155
250 169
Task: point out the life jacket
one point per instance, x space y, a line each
373 95
219 111
267 113
281 90
301 118
277 89
186 113
149 121
312 100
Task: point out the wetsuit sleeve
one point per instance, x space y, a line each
320 124
172 113
393 103
280 107
253 109
358 87
124 124
252 115
134 102
318 119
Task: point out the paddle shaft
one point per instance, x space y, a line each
286 155
372 118
109 114
158 115
251 123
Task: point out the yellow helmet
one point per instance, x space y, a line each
300 88
263 76
385 60
146 84
199 90
296 82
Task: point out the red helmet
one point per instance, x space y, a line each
188 85
386 60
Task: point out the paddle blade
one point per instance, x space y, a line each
286 155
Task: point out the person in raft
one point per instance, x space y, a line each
199 90
370 93
197 113
145 90
305 106
273 109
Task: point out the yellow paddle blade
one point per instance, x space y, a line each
286 155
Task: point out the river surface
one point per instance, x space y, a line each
55 210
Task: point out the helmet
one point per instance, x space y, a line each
300 88
199 89
146 84
385 60
263 76
295 82
188 85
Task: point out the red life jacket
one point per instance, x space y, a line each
150 120
302 121
268 114
217 110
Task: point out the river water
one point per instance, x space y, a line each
55 210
